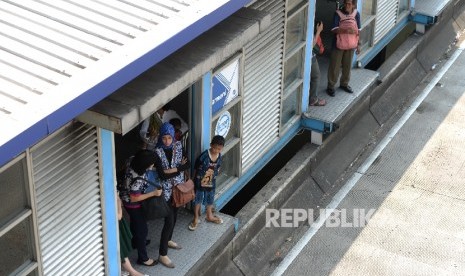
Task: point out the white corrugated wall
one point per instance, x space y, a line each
67 191
386 18
262 85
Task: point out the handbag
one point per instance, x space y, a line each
183 193
156 206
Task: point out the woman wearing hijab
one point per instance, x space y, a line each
171 164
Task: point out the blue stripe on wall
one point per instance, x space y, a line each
109 202
207 110
308 58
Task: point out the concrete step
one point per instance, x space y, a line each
362 81
326 119
262 251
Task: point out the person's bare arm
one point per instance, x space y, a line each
319 29
120 210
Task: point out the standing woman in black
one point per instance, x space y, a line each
136 190
171 162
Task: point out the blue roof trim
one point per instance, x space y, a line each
106 87
17 145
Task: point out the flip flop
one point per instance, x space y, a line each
216 220
318 102
192 226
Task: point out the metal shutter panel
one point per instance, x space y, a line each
262 85
386 18
67 190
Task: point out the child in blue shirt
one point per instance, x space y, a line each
207 167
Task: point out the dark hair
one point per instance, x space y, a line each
176 122
166 107
142 160
218 140
354 3
316 25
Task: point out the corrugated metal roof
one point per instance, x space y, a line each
53 51
138 99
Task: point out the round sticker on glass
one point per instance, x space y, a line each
223 124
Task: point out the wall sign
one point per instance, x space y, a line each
225 86
223 124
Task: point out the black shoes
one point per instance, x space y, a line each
330 91
347 88
149 262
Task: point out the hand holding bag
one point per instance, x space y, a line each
154 207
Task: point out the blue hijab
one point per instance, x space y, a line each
166 129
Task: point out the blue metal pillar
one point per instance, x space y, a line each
110 220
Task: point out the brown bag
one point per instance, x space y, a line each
183 193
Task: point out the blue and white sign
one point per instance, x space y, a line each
225 86
224 124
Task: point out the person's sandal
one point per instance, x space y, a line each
193 225
167 264
173 245
216 220
318 102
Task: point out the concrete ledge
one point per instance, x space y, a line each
395 95
217 249
346 124
435 42
398 61
273 195
260 252
459 14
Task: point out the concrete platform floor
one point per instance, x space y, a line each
360 81
196 244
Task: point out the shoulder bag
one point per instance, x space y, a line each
183 193
154 207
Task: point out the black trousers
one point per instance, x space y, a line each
168 228
139 231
